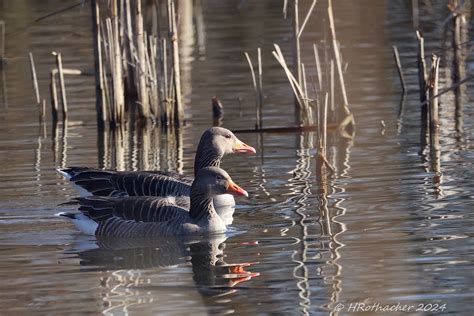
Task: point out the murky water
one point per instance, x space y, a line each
389 231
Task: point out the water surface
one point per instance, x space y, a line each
388 231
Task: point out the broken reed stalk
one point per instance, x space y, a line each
434 113
62 84
422 87
54 92
399 68
34 78
337 57
99 70
142 104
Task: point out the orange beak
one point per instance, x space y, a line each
234 188
242 147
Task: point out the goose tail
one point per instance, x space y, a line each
82 222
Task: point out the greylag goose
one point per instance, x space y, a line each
153 216
214 144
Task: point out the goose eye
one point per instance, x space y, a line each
218 177
227 136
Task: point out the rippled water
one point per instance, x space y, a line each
389 230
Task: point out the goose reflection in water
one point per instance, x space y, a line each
128 263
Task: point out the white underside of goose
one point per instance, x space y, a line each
83 223
82 192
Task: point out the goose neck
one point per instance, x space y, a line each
206 157
201 204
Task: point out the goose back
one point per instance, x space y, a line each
128 183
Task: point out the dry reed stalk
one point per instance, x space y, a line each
143 105
110 57
285 9
337 57
99 76
2 44
332 84
255 88
297 89
421 66
164 71
260 88
296 43
399 68
119 95
43 110
54 98
458 70
422 87
128 47
303 79
308 14
296 53
154 74
323 123
433 90
449 89
179 109
170 103
62 84
68 71
34 78
318 67
434 118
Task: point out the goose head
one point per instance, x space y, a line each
213 181
222 141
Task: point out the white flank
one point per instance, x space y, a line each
83 223
82 192
65 174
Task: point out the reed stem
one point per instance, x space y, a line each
399 69
34 78
100 105
62 84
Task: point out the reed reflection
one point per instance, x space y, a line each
135 146
133 265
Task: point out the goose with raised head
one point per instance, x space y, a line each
133 217
214 144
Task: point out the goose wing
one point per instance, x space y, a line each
128 183
138 209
